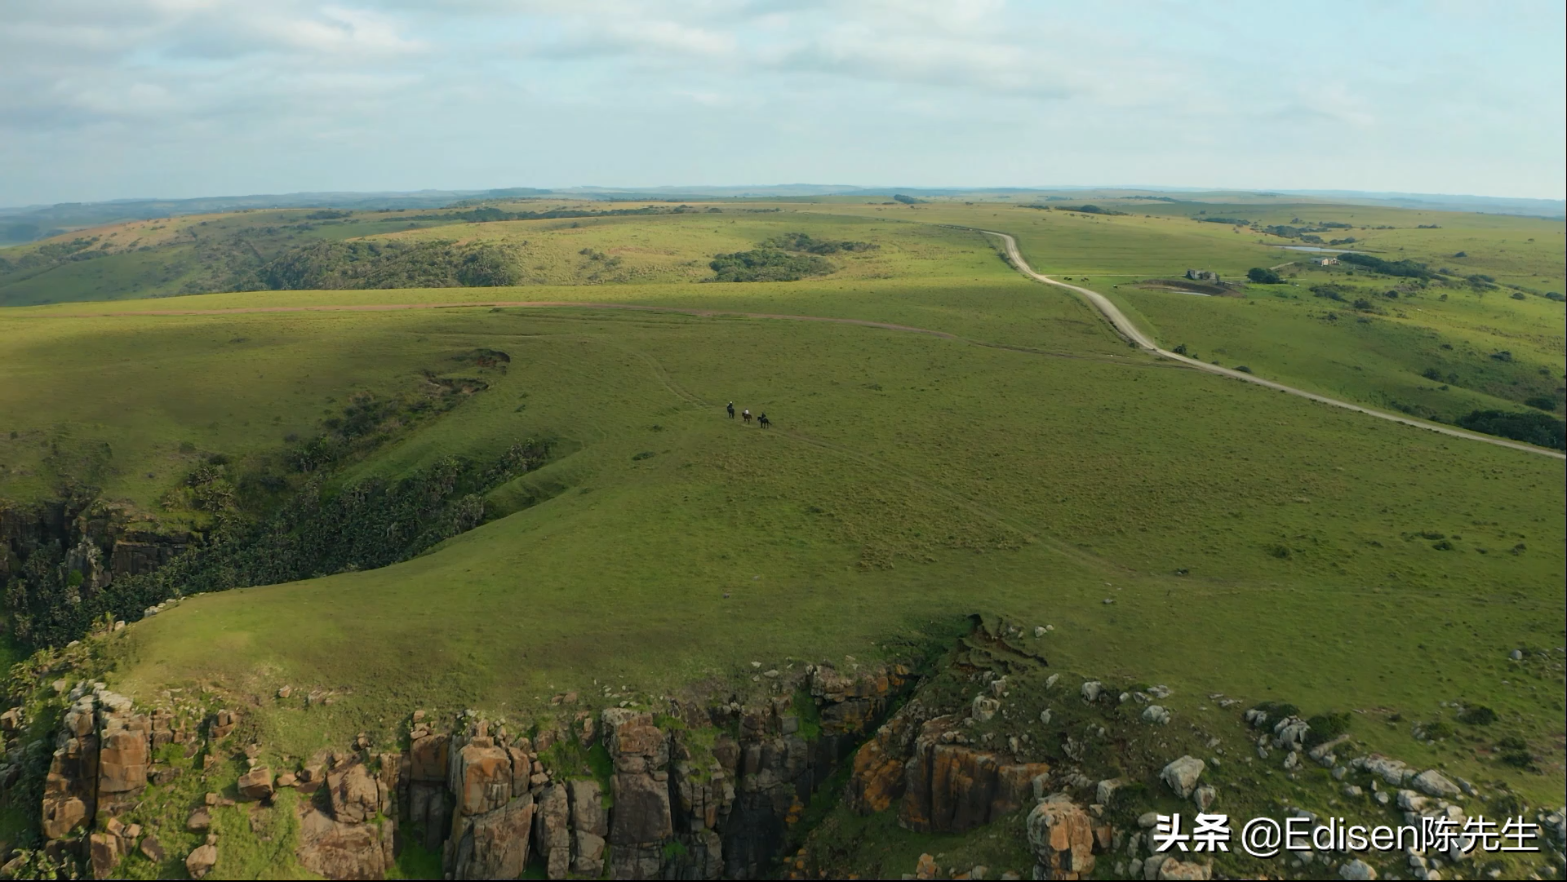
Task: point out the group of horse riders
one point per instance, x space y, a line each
745 415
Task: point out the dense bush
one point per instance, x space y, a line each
1404 268
805 243
1326 727
1263 276
1531 427
1477 715
389 264
768 265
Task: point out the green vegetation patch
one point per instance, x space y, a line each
1525 426
388 264
768 265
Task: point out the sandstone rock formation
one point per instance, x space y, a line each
1062 838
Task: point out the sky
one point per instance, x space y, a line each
106 99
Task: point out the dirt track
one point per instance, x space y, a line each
1126 329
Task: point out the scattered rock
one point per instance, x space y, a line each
1205 796
103 851
1106 789
1357 869
1156 715
152 849
1173 868
256 783
201 861
1181 775
1434 783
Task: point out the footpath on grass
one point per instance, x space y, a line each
1136 337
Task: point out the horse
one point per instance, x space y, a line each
731 409
745 415
763 421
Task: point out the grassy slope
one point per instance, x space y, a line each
1281 331
909 478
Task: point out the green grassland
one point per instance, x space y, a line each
1034 467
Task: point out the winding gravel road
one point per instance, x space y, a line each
1130 332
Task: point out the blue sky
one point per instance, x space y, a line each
103 99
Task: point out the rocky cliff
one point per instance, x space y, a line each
692 790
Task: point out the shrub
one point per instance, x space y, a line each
1432 374
1278 710
1362 304
1263 276
1405 268
1543 402
1326 727
768 265
1530 427
1477 715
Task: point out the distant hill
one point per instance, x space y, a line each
23 224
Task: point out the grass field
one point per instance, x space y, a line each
909 478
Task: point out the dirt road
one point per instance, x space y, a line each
1130 332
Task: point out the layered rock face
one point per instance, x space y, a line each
940 782
97 541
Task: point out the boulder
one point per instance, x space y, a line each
495 845
199 821
341 850
1182 774
124 756
483 778
62 815
152 849
201 861
1434 783
877 779
1390 770
1204 797
925 868
1091 691
103 851
1105 791
1179 869
641 810
1156 715
984 709
1357 869
356 796
427 758
256 783
587 808
552 830
1062 839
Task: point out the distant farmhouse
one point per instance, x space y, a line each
1202 275
1326 261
